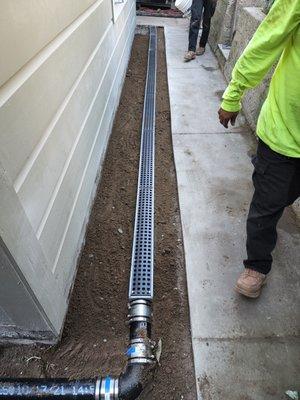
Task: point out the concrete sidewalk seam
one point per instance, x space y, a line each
239 132
188 68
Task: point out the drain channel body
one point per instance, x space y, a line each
142 263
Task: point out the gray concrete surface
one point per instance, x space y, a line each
207 80
243 349
247 369
214 178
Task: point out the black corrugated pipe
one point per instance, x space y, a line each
142 360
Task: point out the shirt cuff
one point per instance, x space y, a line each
231 106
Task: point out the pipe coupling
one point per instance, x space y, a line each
140 351
107 389
140 310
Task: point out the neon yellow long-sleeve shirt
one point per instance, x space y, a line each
277 36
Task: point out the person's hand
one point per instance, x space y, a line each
226 116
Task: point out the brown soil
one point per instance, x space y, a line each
95 334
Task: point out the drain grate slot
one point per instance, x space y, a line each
142 262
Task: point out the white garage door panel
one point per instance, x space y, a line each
73 233
56 115
22 243
27 114
56 221
21 20
38 187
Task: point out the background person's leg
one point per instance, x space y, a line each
209 10
275 182
196 14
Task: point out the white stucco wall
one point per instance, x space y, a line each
61 72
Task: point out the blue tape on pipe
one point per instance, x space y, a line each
107 385
130 351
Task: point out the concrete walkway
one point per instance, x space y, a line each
244 350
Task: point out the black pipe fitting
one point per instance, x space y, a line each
140 329
137 376
135 380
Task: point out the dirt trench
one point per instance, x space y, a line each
95 334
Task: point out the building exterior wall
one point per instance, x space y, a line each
19 321
61 74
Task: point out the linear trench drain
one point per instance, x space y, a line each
142 262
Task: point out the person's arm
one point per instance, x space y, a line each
263 50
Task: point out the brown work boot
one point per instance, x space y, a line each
200 51
250 283
189 56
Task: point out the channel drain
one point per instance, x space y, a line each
142 262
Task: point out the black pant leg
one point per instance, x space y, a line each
273 178
294 191
196 11
209 10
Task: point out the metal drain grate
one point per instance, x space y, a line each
142 263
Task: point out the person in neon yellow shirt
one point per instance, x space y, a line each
276 176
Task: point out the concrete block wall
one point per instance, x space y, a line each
228 25
62 69
245 22
225 20
248 22
220 23
241 4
